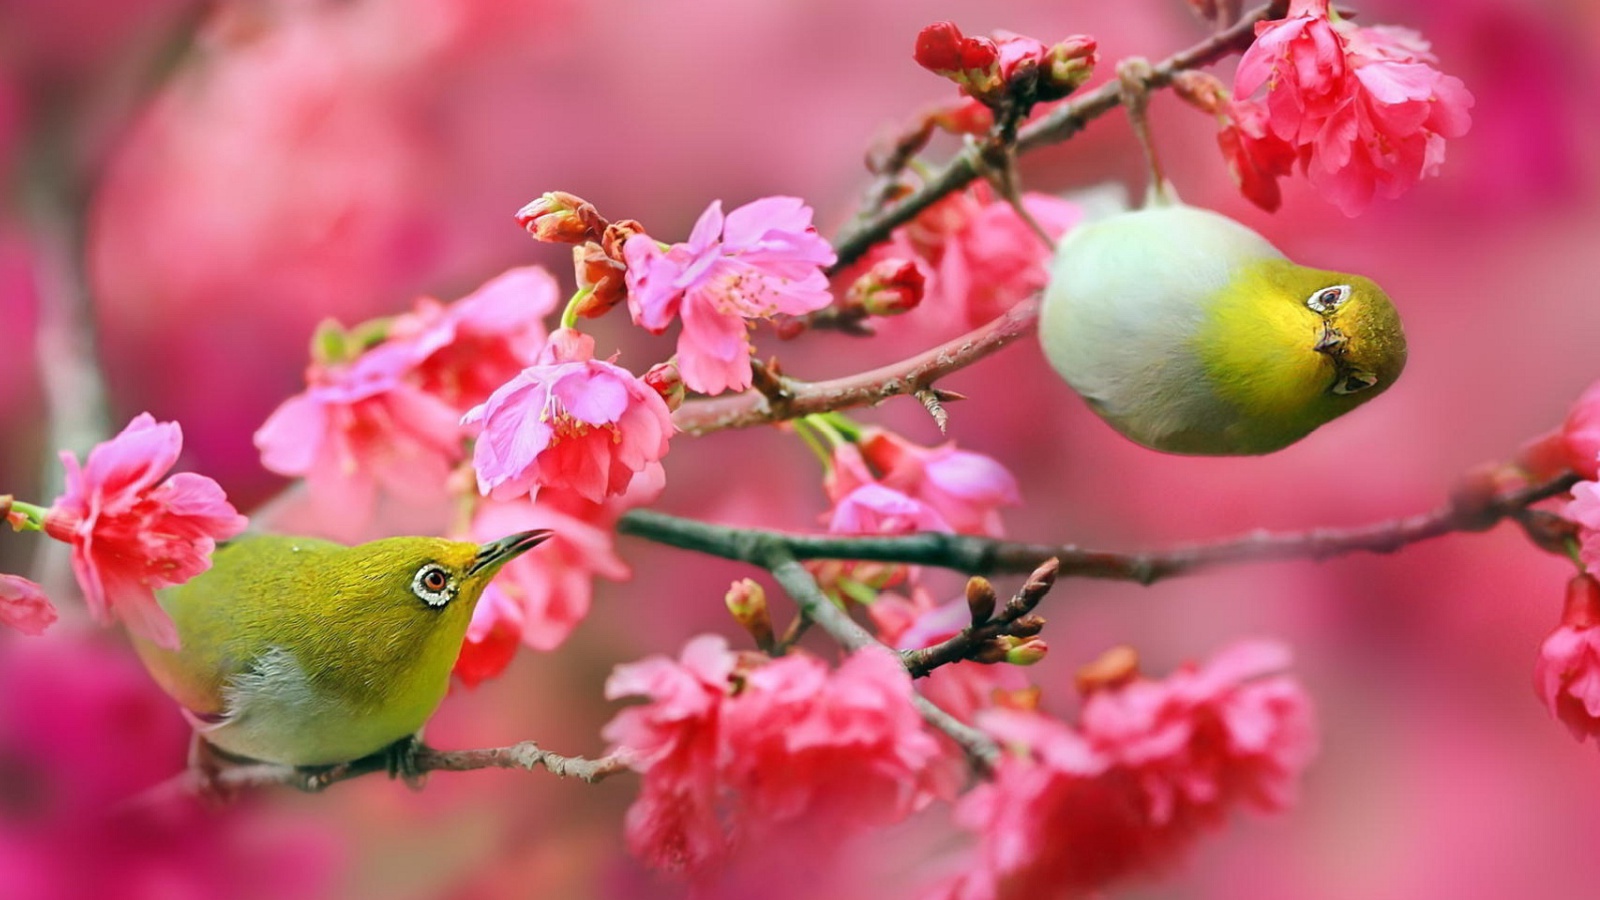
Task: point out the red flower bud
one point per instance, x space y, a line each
1067 66
667 381
972 63
890 287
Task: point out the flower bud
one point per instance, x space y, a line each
980 599
1113 669
617 234
1201 90
1027 626
890 287
1067 66
1567 671
1027 652
1582 607
667 381
972 63
561 218
747 600
602 276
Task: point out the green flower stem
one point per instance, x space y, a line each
33 516
569 316
808 432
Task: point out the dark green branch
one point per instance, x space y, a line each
985 556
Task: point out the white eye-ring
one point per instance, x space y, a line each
433 585
1327 299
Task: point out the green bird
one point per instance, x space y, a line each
305 652
1190 333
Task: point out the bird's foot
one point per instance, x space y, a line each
401 759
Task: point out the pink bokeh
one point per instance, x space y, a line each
307 160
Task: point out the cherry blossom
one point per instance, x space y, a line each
1567 673
762 259
568 421
1150 764
130 535
850 745
1362 112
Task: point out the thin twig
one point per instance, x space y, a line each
526 756
908 376
986 556
803 588
1055 126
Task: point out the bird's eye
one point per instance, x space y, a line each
1328 299
432 585
1354 382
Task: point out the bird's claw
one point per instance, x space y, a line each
401 759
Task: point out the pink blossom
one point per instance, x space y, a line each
1584 510
981 257
1071 810
539 598
1207 738
1361 111
568 421
359 426
24 606
675 823
849 744
965 488
863 505
1567 673
876 509
466 349
1581 434
131 536
765 258
1054 821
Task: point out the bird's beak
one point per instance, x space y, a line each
1332 342
493 555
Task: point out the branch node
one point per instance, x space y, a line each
930 400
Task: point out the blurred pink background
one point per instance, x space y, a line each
312 159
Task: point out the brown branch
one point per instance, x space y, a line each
228 779
908 376
919 372
1015 619
1054 127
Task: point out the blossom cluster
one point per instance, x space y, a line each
742 753
1360 111
1149 766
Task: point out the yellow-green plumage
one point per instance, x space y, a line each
306 652
1190 333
